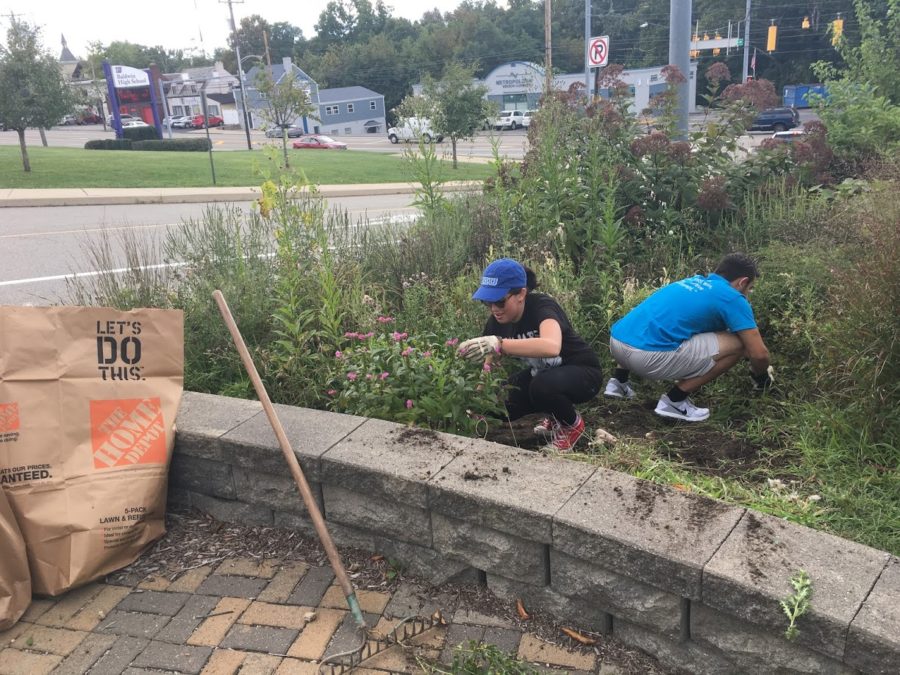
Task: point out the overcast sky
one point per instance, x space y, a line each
174 24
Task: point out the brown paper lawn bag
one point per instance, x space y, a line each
88 398
15 579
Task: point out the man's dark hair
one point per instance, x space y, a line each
736 265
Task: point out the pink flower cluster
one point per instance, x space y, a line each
359 336
452 342
396 336
385 319
407 352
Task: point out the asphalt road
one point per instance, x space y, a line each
512 143
41 246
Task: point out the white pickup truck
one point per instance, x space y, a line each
411 129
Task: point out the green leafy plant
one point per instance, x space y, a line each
414 380
796 604
478 658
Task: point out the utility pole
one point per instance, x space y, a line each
237 51
548 47
266 43
587 46
746 43
680 55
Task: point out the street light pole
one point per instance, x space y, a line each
680 55
237 51
587 56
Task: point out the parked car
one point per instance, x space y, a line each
182 122
526 118
68 120
509 119
789 136
90 118
319 142
292 132
214 121
413 128
124 117
127 124
776 119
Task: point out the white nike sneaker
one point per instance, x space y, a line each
683 410
616 389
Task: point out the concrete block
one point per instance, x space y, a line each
384 517
178 498
290 520
206 476
204 418
513 491
753 650
750 574
544 600
232 511
390 461
490 550
680 656
422 562
276 491
663 537
873 644
253 445
620 595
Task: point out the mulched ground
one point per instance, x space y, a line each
698 446
194 539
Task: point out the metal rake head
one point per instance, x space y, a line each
408 628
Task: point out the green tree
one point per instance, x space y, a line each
286 100
34 93
454 104
876 59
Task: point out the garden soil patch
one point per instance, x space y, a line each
699 446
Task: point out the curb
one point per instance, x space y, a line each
124 196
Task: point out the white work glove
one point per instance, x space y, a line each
764 380
480 347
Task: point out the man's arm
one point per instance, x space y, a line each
755 349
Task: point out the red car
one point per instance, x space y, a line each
319 142
197 121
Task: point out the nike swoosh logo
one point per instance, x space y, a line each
683 411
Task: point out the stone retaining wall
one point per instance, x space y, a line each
693 581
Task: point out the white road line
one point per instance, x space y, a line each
86 231
78 275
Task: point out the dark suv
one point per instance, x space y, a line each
776 119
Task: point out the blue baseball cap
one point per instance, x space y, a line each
499 278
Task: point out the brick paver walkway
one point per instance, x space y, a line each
251 617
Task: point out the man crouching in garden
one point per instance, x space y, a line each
691 331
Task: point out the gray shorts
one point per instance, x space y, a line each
693 358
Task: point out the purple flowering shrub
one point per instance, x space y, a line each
388 374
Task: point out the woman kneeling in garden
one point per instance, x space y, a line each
562 368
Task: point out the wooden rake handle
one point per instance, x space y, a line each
289 456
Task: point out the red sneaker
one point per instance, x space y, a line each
565 437
546 427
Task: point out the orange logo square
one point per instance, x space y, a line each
9 417
126 432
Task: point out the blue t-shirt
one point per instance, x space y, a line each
677 312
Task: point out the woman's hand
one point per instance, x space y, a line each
480 347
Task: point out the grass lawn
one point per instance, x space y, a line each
79 168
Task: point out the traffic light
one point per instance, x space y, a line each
773 36
837 29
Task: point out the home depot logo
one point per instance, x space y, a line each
127 431
9 417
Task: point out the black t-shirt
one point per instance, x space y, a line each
539 307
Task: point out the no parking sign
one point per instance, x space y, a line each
598 51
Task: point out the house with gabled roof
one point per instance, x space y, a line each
256 103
